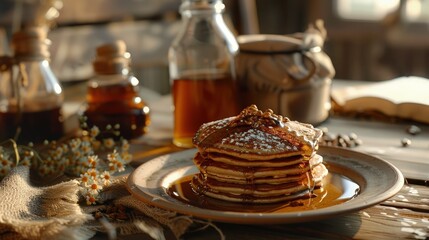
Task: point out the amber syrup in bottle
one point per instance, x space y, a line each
202 69
112 95
31 104
35 126
214 94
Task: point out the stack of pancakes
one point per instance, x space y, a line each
257 157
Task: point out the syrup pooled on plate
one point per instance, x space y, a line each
336 189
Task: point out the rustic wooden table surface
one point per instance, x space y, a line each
404 216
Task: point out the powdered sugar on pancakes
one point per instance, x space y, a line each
257 140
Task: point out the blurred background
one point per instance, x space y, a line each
367 39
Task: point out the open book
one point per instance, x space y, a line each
405 97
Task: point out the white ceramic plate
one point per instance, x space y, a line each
378 180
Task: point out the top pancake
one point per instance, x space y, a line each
257 135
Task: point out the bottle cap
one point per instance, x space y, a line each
31 43
111 58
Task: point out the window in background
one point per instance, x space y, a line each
416 11
378 39
376 10
370 10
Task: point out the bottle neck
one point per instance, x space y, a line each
104 80
202 20
38 75
190 8
112 67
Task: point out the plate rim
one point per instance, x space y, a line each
270 218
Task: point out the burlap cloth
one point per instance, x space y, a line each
55 212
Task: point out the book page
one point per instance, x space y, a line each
399 90
405 97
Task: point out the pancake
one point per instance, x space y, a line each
276 162
257 157
230 172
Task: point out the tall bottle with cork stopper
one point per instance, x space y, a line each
30 104
112 96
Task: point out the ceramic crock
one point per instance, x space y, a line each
289 74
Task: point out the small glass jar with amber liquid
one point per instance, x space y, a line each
112 94
202 69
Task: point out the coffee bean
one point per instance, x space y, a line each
325 130
329 137
340 140
358 142
353 136
413 130
405 142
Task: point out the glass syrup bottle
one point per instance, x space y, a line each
31 103
112 94
202 69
